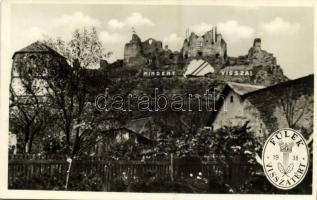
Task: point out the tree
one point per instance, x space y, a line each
295 106
84 46
29 114
73 90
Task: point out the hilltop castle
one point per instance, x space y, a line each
211 44
256 66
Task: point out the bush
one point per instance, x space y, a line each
44 182
84 182
80 182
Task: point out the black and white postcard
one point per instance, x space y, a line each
157 99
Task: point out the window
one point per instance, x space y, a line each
32 57
199 44
231 99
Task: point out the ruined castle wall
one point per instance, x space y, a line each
151 46
185 49
131 50
192 45
209 44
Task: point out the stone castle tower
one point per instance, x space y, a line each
209 44
133 48
138 52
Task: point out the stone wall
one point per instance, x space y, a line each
296 94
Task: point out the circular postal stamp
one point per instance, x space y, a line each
285 158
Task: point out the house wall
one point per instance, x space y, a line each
238 113
37 65
229 113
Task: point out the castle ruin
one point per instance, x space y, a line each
210 44
257 66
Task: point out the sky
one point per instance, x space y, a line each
287 32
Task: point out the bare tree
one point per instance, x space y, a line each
28 112
295 106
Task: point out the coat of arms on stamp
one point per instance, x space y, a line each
285 158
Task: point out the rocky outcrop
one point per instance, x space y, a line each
259 57
260 64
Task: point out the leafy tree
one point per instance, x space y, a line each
84 46
73 92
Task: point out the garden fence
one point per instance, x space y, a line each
31 166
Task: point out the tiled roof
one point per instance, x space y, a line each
302 83
37 47
242 89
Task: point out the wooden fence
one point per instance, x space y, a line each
51 166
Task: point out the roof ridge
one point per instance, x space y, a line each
282 84
246 84
37 47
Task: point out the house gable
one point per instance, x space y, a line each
264 109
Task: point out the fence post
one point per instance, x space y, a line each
69 160
172 167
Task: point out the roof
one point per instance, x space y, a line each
301 82
239 88
242 88
37 47
138 125
141 138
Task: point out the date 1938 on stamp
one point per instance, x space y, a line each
285 158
